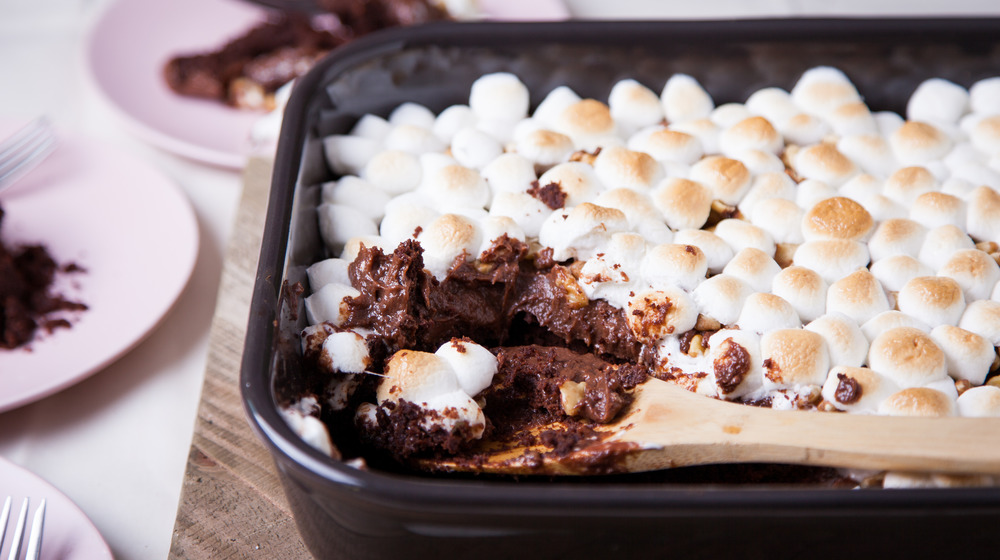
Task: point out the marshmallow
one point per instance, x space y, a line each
637 206
906 184
453 119
897 236
753 133
896 479
684 204
718 253
402 221
804 289
888 122
328 271
895 271
736 363
633 105
837 218
499 96
729 114
372 127
983 214
527 211
983 318
765 186
908 356
358 194
474 366
348 154
979 402
916 143
774 104
311 429
823 89
447 239
977 173
793 357
545 147
870 152
577 179
780 218
345 352
412 139
588 122
984 96
753 266
413 114
856 389
474 148
833 259
655 314
938 101
857 295
883 208
844 339
861 186
852 118
974 270
578 231
918 401
556 101
824 162
455 186
934 300
338 223
621 167
416 377
763 312
664 144
393 171
759 161
509 173
727 178
740 234
613 273
684 99
721 297
495 227
674 265
706 131
985 135
969 355
811 192
804 129
327 304
889 320
941 243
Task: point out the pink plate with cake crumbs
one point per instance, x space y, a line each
134 39
133 233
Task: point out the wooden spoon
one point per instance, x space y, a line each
667 426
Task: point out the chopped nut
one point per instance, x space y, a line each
994 381
706 323
584 156
874 481
696 348
721 211
962 385
996 363
826 406
483 268
815 395
571 395
574 293
988 247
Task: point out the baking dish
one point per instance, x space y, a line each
707 512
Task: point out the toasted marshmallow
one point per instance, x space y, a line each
858 295
983 318
328 271
499 96
824 162
934 300
672 264
765 186
455 186
804 289
621 167
908 356
916 143
833 259
721 297
780 218
837 218
706 131
870 152
753 133
393 171
637 206
759 161
412 139
587 122
346 352
918 401
654 314
774 104
895 271
668 145
349 154
552 106
416 377
823 89
856 389
447 239
718 253
578 231
327 304
941 243
811 192
633 105
897 236
338 223
509 173
545 147
353 246
753 266
614 273
852 118
358 194
792 358
453 119
937 209
474 366
974 270
883 208
985 135
728 178
983 214
527 211
474 148
736 363
577 179
495 227
844 339
979 402
804 129
938 101
861 186
683 203
402 222
763 312
889 320
684 99
969 355
906 184
740 234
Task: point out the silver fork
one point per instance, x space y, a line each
34 538
25 149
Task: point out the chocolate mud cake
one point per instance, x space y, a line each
494 271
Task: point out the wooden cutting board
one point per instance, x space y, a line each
232 504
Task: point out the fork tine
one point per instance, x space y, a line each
30 131
25 148
35 538
4 516
15 543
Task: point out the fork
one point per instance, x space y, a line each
25 149
34 550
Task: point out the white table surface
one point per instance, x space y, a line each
117 442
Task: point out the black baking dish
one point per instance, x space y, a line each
344 512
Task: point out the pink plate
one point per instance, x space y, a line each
68 533
131 229
134 39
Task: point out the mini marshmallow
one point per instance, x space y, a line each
416 377
727 178
857 295
414 114
495 227
328 271
474 366
852 119
588 122
979 402
937 209
883 208
474 148
833 259
861 186
895 271
499 96
977 173
634 105
793 357
311 429
729 114
327 304
674 265
906 184
718 253
555 102
352 248
740 234
753 133
620 167
721 297
753 266
706 131
758 162
446 239
509 173
804 129
613 273
938 101
578 231
984 96
338 223
844 339
545 147
765 186
664 144
889 320
401 221
655 314
918 401
455 186
345 352
527 211
983 214
871 152
974 270
804 289
941 243
780 218
393 171
684 99
985 135
453 119
371 126
412 139
908 356
916 143
857 390
969 355
897 236
824 162
348 154
837 218
763 312
736 363
577 179
684 204
774 104
823 89
637 206
983 318
811 192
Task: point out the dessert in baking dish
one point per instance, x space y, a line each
494 270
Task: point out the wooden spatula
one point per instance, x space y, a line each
668 426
